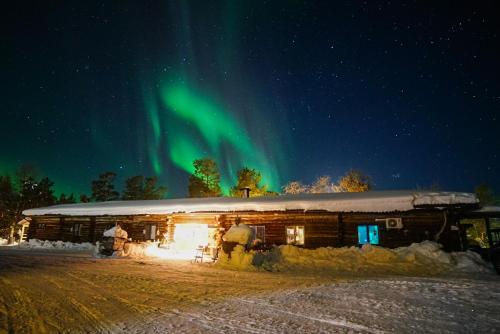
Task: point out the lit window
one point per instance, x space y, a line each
368 234
295 235
259 232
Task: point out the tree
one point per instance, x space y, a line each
64 199
248 178
8 204
323 184
151 190
35 194
355 181
205 180
137 187
294 187
30 194
134 188
485 195
103 189
84 198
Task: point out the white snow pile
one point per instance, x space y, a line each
116 232
240 233
424 258
3 242
47 245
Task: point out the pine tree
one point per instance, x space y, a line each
151 190
84 198
137 188
134 188
30 194
485 195
205 180
103 189
8 204
64 199
248 178
35 194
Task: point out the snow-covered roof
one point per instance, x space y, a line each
372 201
489 209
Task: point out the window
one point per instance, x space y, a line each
259 232
295 235
368 234
150 232
41 226
77 230
495 230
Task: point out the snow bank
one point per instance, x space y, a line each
240 233
370 201
46 244
3 242
116 232
418 259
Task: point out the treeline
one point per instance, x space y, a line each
205 181
353 181
25 190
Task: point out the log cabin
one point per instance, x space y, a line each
386 218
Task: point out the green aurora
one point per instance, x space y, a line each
191 126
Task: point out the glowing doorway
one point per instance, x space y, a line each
189 237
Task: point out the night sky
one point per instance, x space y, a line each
408 92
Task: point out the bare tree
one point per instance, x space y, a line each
294 187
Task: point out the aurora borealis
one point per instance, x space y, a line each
406 92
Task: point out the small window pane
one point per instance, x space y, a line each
259 232
299 238
368 234
295 235
362 235
290 235
373 234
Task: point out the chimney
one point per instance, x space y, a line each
246 192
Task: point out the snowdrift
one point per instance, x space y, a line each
3 241
46 244
240 233
116 232
419 259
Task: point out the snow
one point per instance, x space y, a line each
60 291
492 209
240 233
59 245
116 232
424 258
371 201
3 242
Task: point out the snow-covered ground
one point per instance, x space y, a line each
61 291
361 305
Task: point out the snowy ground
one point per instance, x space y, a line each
60 291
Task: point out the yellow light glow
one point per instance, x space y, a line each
190 236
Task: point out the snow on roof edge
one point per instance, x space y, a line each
372 201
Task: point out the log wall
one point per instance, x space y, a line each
417 227
321 228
